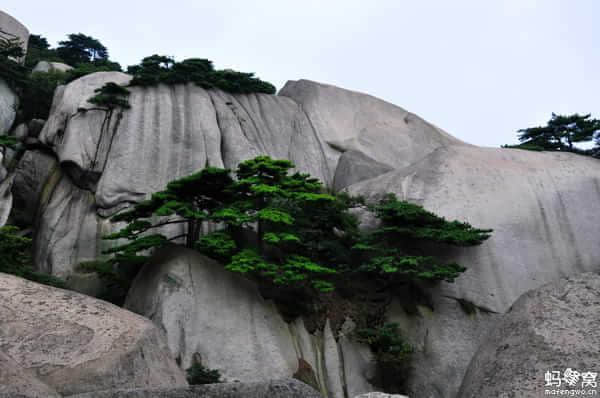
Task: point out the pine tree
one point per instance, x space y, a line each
81 49
561 132
281 228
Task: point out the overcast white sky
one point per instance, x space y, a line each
478 69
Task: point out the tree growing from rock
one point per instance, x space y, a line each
394 248
257 237
284 229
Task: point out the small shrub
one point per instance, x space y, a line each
392 354
386 342
198 374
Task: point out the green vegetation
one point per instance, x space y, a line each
390 247
80 49
36 96
16 258
260 204
38 49
198 374
111 96
560 134
391 351
282 229
386 342
158 69
88 55
7 141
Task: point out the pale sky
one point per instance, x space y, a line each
479 69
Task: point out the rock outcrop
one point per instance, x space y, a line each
549 329
544 207
74 344
219 318
285 388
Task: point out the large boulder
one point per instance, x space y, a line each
286 388
549 329
74 343
220 319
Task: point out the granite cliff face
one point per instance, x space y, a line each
544 207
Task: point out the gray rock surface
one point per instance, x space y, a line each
286 388
8 107
16 381
551 328
221 318
354 166
380 395
348 120
67 229
32 172
74 343
208 311
46 66
443 339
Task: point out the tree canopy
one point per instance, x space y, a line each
561 132
80 48
282 228
157 69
